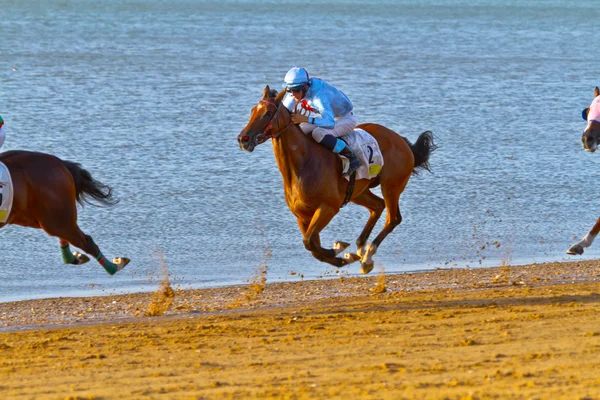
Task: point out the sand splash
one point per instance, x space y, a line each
257 282
381 286
163 298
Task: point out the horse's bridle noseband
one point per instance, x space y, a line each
266 135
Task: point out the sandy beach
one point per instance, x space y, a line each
507 332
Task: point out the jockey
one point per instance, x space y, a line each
322 110
2 131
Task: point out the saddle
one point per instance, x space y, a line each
367 150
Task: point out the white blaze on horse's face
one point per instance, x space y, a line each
258 129
250 137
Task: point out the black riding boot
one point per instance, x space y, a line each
353 160
347 152
337 145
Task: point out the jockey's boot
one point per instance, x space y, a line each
342 148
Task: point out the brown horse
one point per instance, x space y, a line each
314 188
46 190
590 139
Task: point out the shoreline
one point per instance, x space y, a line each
503 332
72 311
149 286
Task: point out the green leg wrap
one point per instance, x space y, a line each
108 266
67 256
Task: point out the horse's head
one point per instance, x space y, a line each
266 120
591 134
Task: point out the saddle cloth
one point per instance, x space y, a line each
6 193
594 113
367 150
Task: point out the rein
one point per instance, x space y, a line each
263 137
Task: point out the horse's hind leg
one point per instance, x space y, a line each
587 240
71 257
85 242
64 226
391 197
375 205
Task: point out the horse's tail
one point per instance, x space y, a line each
421 150
87 187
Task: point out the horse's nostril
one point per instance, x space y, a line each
245 139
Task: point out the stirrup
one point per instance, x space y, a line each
353 165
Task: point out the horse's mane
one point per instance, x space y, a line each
277 95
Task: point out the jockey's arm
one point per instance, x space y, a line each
327 119
289 102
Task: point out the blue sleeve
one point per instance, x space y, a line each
289 102
327 117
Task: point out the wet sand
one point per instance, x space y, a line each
508 332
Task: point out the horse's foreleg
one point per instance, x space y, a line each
312 240
587 240
338 247
71 257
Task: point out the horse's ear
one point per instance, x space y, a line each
596 92
267 92
280 95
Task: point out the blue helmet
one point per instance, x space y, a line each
295 77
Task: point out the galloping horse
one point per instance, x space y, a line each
46 190
590 139
312 177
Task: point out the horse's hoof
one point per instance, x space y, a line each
351 257
80 258
121 262
340 246
366 267
576 249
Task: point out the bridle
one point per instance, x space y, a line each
266 134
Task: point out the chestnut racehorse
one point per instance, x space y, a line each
46 190
312 177
589 140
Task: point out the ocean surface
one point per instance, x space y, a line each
150 96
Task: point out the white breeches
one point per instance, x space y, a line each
2 136
343 126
